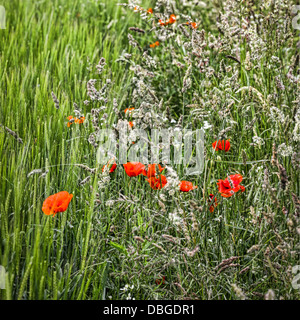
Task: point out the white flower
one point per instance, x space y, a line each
206 125
285 150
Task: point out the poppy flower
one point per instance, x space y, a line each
128 110
172 19
80 120
150 10
157 183
212 203
134 169
71 120
160 281
192 24
151 170
221 145
75 120
58 202
162 23
186 186
130 123
112 168
230 185
155 44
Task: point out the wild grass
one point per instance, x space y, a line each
120 233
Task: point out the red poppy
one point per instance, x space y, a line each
161 22
213 203
128 110
75 120
221 145
134 169
151 170
71 120
58 202
157 183
80 120
112 168
150 10
130 123
230 185
193 24
160 281
172 19
186 186
155 44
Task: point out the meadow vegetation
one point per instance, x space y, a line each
230 67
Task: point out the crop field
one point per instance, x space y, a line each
209 210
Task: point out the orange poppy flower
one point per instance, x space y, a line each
212 205
58 202
192 24
230 185
172 19
162 23
134 169
112 168
160 281
157 183
150 10
80 120
155 44
128 110
71 120
75 120
186 186
221 145
130 123
151 170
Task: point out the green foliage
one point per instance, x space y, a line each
93 250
